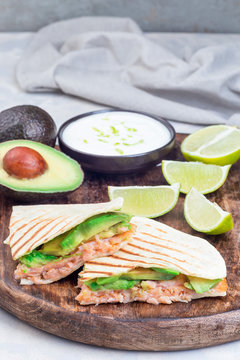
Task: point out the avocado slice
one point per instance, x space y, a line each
201 285
62 175
120 284
27 122
113 230
167 272
106 280
66 243
150 274
129 279
53 247
35 259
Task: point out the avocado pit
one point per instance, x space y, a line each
23 162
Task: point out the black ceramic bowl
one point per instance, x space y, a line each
120 164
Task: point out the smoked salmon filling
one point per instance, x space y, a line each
41 268
154 292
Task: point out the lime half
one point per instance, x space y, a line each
205 216
205 178
217 144
148 201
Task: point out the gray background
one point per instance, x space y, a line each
152 15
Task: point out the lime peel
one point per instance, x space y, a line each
221 147
147 201
205 216
206 178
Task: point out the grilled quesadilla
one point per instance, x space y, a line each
52 241
159 265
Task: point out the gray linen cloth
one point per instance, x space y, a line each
112 62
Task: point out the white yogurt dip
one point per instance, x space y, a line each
116 133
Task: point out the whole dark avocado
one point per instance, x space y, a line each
27 122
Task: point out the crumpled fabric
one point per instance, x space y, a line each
112 62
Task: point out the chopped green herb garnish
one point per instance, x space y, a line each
122 122
106 118
131 129
104 141
114 130
119 151
116 143
136 143
103 135
96 129
85 141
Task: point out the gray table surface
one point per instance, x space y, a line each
19 341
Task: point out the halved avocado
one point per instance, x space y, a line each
63 175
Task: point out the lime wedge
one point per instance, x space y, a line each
205 216
205 178
217 144
148 201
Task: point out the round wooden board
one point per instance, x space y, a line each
135 326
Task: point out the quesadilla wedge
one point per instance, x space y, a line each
159 265
52 241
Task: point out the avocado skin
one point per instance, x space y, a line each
81 232
32 197
27 122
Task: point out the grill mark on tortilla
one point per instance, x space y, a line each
32 227
155 252
167 240
106 264
14 223
36 232
139 261
53 228
165 247
31 247
100 272
156 228
21 227
151 258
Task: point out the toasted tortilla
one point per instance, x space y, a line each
33 225
155 244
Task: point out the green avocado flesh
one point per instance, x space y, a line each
99 224
200 285
63 174
104 225
35 259
131 278
120 284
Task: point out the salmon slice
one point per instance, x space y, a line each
57 270
153 292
